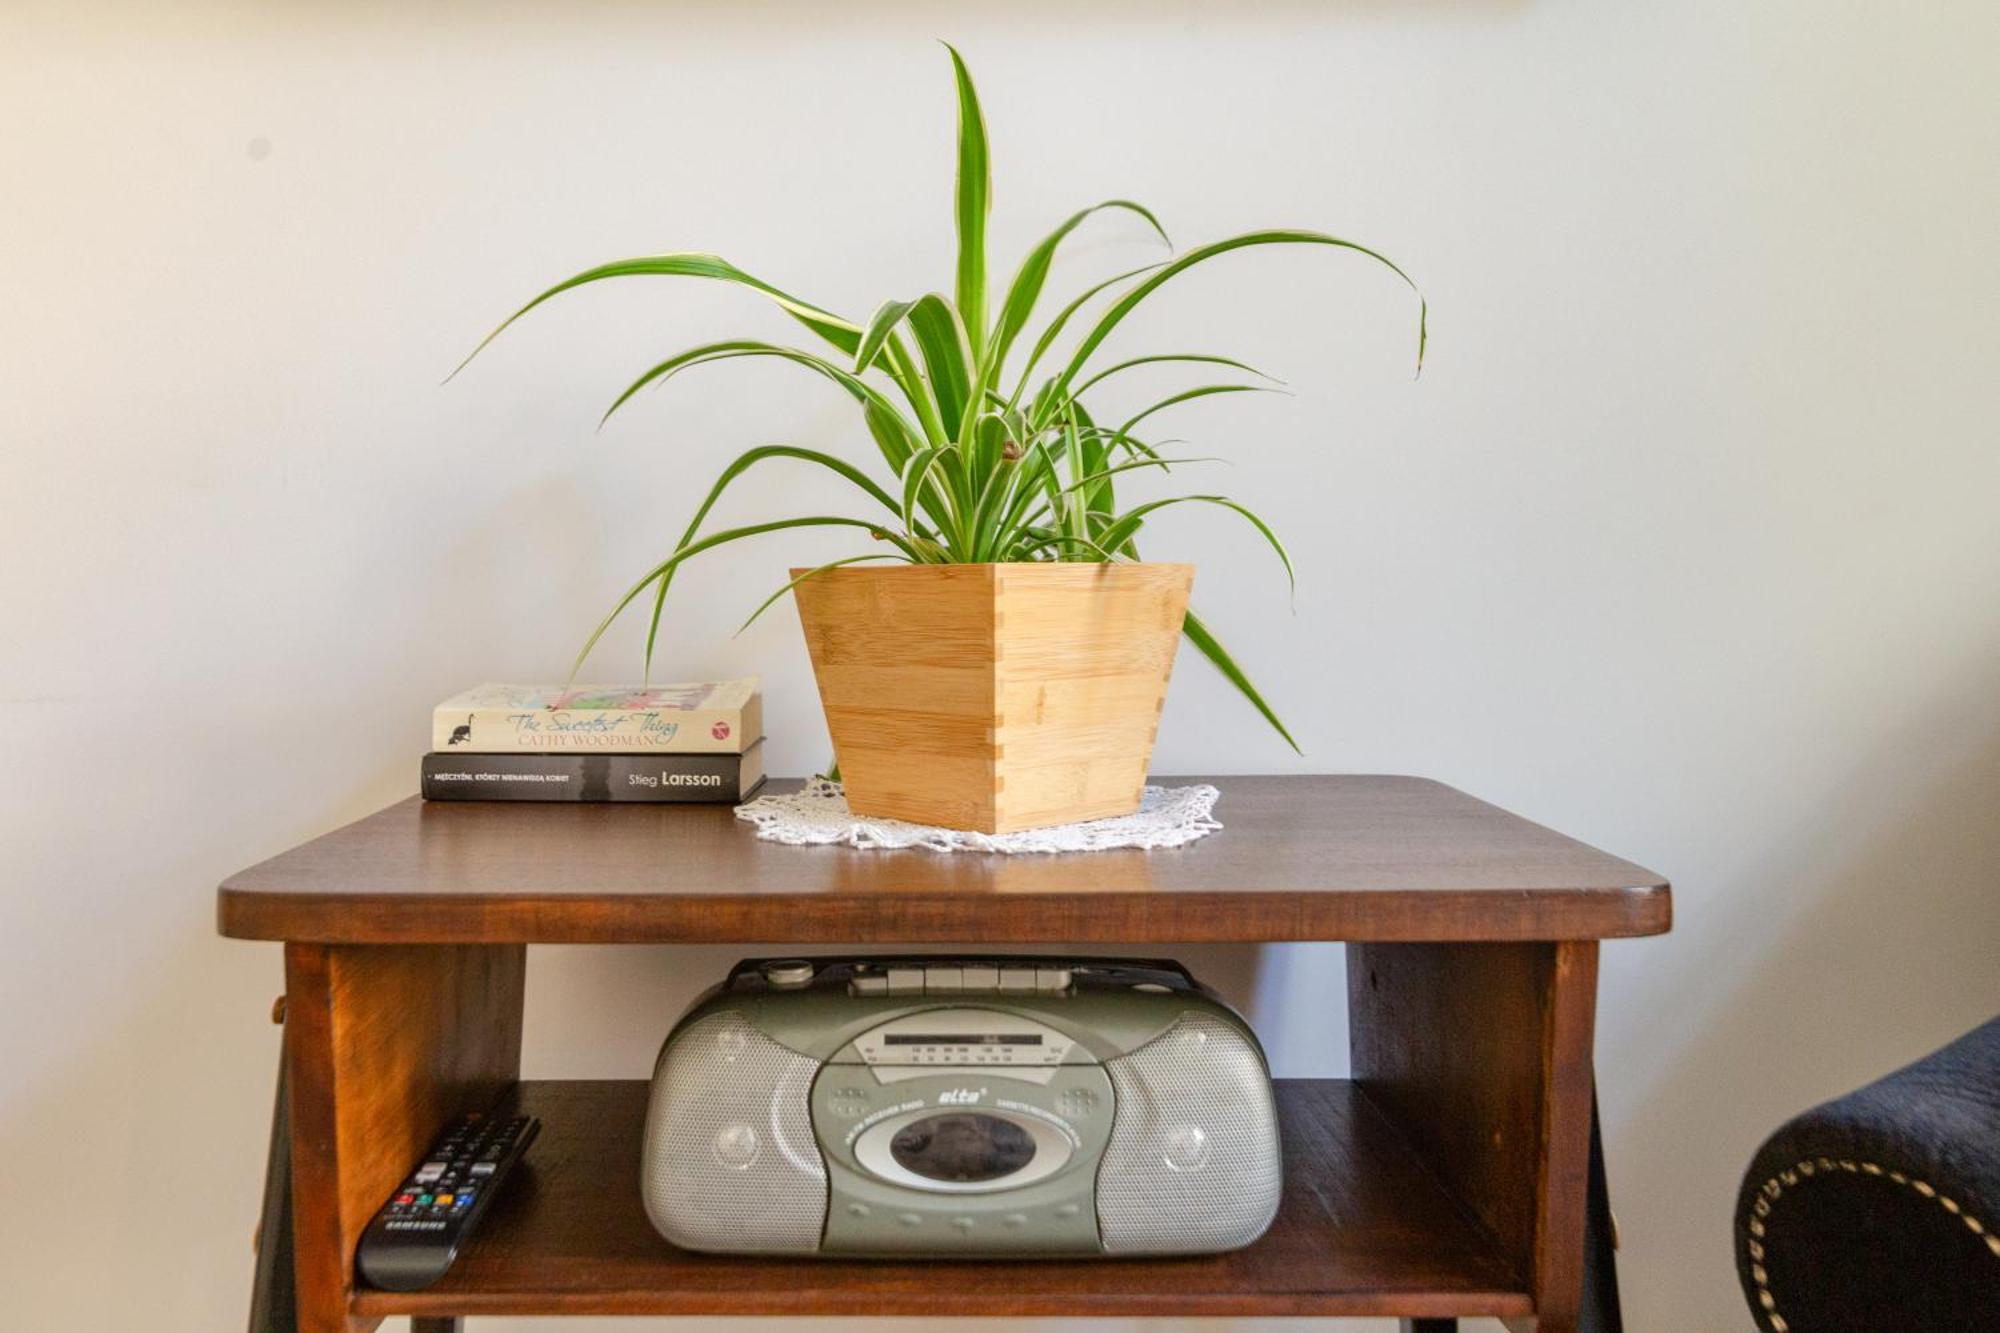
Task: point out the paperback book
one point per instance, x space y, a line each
714 717
471 776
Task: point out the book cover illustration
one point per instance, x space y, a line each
709 717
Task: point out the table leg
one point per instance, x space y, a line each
1601 1312
274 1292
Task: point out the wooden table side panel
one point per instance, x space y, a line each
1447 1038
387 1045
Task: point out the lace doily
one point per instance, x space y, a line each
818 816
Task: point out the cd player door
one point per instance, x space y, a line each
962 1131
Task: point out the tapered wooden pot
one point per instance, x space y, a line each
994 697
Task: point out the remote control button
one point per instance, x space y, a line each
483 1168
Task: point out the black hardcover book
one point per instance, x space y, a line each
574 776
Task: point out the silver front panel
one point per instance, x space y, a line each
1193 1162
730 1163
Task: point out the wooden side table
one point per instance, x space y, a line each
1451 1175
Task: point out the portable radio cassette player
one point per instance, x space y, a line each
961 1106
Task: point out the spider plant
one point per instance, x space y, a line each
991 452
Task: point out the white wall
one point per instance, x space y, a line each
1684 543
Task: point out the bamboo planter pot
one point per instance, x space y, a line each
994 697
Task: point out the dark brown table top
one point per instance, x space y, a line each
1298 858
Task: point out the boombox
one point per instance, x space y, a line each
961 1106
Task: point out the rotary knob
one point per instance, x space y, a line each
787 973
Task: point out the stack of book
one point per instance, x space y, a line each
702 742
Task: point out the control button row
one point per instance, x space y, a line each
1012 1221
952 979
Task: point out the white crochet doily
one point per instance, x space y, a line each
818 816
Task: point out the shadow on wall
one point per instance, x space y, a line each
1892 956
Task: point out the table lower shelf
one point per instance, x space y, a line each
1364 1229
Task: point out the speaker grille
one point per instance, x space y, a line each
730 1162
1193 1163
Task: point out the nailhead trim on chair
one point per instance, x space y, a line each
1778 1184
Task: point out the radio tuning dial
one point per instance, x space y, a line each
788 973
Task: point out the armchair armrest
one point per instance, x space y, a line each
1880 1210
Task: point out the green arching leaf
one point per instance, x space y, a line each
881 333
1126 525
972 201
1044 538
1201 357
991 438
1211 647
1056 325
1030 478
767 603
1134 465
1130 443
1076 510
880 326
1125 304
699 356
903 370
1099 497
916 473
892 435
941 342
842 334
741 464
858 388
713 540
1026 288
1188 395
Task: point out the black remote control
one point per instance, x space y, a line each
415 1237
